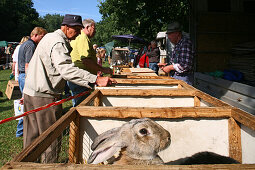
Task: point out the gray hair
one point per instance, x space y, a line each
154 42
88 22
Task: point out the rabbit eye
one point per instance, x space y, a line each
143 131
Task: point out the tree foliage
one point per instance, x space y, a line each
18 18
143 18
51 22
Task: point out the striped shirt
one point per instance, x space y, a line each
182 57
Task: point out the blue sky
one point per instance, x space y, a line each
85 8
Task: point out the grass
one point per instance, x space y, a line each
10 145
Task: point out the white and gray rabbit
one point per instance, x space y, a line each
135 142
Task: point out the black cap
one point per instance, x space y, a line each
72 20
174 27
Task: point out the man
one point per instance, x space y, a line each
181 61
84 56
25 53
153 54
49 68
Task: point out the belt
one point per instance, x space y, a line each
21 71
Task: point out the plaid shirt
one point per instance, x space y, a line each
182 56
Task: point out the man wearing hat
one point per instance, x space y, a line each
181 61
49 68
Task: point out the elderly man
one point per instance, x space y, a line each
84 56
181 61
49 68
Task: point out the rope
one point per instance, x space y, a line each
44 107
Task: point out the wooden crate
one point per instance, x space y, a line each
208 124
12 90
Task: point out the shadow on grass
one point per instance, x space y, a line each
3 100
6 108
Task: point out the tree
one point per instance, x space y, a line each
18 18
50 22
143 18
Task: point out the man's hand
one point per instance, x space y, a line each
21 101
166 69
104 81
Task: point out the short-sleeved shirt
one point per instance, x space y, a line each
26 52
82 48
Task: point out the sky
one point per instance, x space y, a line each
84 8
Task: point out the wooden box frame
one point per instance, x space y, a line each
91 108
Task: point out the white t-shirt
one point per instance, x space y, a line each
15 59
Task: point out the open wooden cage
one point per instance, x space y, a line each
197 122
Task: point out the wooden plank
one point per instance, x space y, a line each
145 92
196 101
97 100
40 144
148 81
235 146
74 140
243 117
212 100
141 70
234 86
29 165
90 98
138 112
141 77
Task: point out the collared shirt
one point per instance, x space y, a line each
51 66
82 48
182 56
26 52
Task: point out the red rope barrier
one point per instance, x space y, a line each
44 107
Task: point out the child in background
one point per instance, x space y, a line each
100 56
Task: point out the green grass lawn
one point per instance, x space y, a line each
10 145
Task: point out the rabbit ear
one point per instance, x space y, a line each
103 153
99 139
105 146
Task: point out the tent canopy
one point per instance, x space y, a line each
129 38
3 43
109 47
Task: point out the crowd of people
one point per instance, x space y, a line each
45 64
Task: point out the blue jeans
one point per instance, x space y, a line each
76 89
154 67
189 79
21 80
19 131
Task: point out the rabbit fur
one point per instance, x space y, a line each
138 142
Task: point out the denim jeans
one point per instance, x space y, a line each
21 80
19 131
154 67
76 89
189 79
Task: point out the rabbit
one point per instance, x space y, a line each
136 142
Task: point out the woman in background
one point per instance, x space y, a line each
15 71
